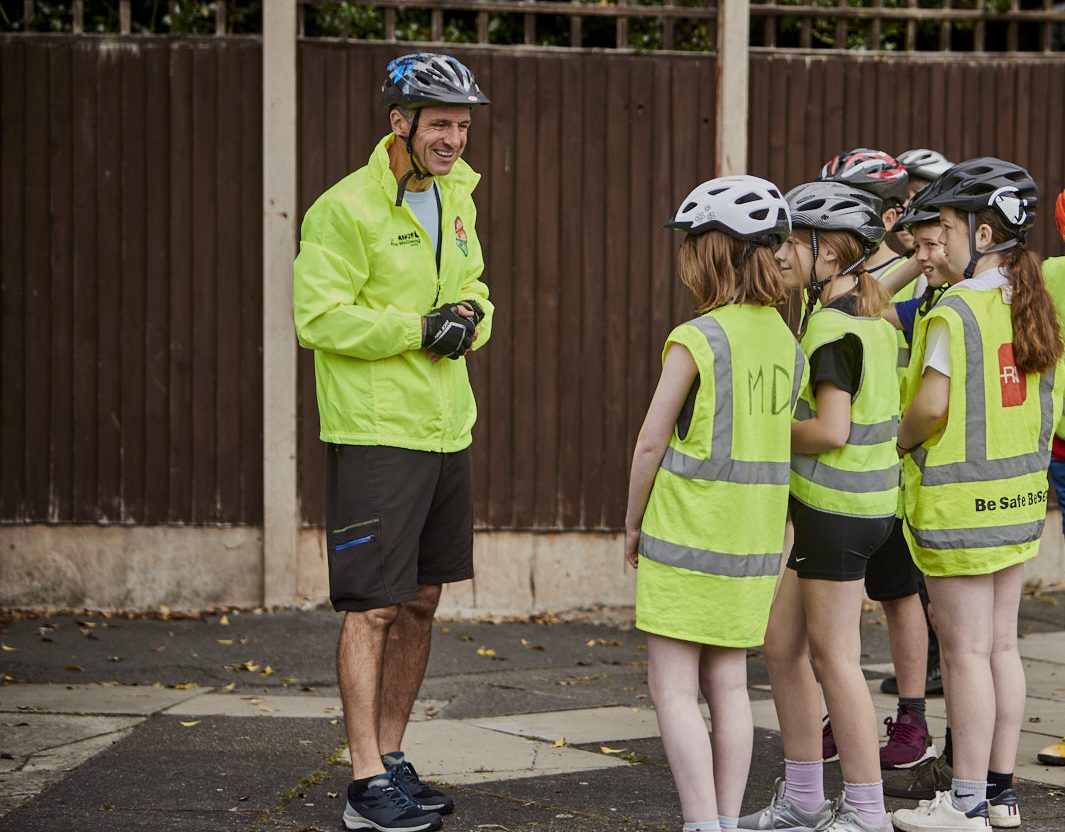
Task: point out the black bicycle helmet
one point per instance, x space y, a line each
923 163
917 211
426 79
870 170
988 182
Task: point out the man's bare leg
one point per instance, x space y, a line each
360 659
406 655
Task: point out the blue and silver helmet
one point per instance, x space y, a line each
425 79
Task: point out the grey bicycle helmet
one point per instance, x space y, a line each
832 206
743 206
426 79
870 170
924 164
988 183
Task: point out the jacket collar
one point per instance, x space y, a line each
460 182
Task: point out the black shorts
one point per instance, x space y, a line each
395 519
891 573
834 547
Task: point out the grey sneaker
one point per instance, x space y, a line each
845 819
782 815
922 782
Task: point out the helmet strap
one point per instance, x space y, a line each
975 254
416 170
816 287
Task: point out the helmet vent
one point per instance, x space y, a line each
749 198
760 214
691 206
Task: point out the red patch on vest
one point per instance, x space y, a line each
1013 385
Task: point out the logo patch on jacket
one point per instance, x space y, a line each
460 237
411 238
1013 385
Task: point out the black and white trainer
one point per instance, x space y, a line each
427 798
386 807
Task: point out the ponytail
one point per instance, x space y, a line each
1037 343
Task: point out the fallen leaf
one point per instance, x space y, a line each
250 666
465 637
86 624
288 680
485 651
590 643
184 685
7 648
334 722
160 648
607 750
229 687
243 798
267 671
330 794
190 724
107 807
224 641
223 621
559 743
74 668
114 658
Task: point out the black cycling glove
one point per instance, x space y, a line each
475 308
446 332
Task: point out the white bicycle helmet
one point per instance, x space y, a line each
924 164
743 206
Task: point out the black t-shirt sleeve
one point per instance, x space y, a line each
839 362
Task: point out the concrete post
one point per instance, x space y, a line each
733 53
280 497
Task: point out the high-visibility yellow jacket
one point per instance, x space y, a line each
976 495
365 275
861 479
712 535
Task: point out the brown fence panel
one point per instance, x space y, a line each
130 294
584 155
805 108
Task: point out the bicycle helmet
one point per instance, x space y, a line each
426 79
743 206
874 171
924 163
916 212
988 182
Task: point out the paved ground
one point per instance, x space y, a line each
234 724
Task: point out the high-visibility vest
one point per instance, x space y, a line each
712 534
861 479
1054 280
976 494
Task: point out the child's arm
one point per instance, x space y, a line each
902 276
927 414
678 374
830 428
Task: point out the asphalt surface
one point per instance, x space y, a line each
288 774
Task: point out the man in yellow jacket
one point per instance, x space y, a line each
388 295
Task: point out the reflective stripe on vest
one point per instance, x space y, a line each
713 563
977 467
982 538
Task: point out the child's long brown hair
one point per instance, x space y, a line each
720 269
1037 343
871 295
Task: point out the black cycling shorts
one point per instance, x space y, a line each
395 518
834 547
891 573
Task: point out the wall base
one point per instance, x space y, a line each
192 567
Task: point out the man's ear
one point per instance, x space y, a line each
400 125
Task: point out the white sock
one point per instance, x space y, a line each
703 826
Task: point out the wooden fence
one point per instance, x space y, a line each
130 249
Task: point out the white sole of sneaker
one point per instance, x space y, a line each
903 824
1006 821
929 753
353 820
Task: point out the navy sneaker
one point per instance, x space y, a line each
427 798
388 808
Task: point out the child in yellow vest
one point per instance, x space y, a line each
714 447
982 398
844 491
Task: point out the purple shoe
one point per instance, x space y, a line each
829 753
908 741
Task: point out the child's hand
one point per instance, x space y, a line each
632 542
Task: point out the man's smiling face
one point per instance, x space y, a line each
440 138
